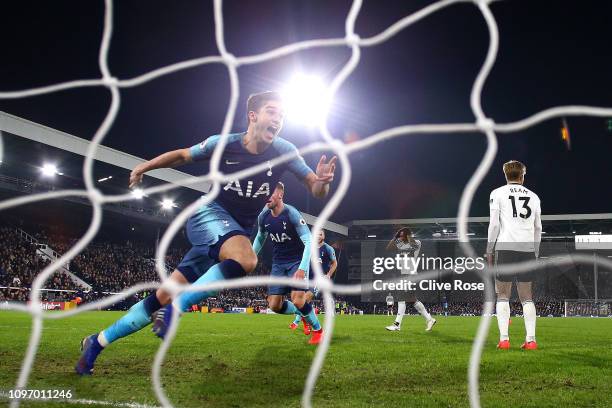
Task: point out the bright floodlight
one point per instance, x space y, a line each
48 170
138 193
167 204
306 100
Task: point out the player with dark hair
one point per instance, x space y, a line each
219 231
404 242
291 257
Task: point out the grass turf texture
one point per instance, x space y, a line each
236 360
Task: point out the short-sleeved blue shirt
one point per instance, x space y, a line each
284 231
326 256
244 198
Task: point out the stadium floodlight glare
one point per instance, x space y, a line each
49 170
167 204
138 193
307 100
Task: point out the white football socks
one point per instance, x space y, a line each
421 309
102 340
529 315
502 310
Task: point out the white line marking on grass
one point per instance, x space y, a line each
4 394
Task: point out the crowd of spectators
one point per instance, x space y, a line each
114 267
107 267
253 297
19 265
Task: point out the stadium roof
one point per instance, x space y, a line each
111 164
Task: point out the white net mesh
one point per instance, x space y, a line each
482 124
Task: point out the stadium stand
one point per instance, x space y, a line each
106 267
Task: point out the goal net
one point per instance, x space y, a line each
482 124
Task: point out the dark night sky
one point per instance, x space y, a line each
552 52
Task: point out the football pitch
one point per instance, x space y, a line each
237 360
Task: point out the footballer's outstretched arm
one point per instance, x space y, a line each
174 158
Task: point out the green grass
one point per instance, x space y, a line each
254 360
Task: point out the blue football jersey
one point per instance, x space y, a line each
244 198
286 232
326 256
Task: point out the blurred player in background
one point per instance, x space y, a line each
290 258
404 242
390 301
515 231
327 259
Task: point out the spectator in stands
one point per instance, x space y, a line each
113 267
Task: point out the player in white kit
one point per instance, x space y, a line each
406 244
390 302
515 230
